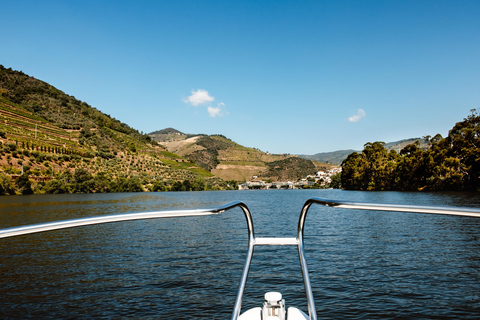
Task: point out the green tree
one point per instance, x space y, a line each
129 185
336 181
24 184
233 185
132 147
6 185
353 171
102 183
464 140
443 172
55 186
83 181
177 186
187 185
375 156
411 170
199 184
158 186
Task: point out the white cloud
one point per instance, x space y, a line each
199 97
213 112
360 114
202 97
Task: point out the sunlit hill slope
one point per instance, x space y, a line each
231 161
46 134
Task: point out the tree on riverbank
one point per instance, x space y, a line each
24 184
451 163
6 185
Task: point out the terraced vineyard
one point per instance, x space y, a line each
25 128
57 147
231 161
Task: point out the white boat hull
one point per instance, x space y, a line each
256 314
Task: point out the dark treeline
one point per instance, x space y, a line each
451 163
82 181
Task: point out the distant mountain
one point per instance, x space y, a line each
399 145
336 157
167 131
231 161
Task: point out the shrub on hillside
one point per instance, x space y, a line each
24 184
55 187
6 185
9 147
129 185
158 186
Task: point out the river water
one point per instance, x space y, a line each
363 265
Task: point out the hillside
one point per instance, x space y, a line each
231 161
53 137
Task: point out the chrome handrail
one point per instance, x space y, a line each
453 211
469 212
22 230
56 225
252 240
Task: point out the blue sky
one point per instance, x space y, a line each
282 76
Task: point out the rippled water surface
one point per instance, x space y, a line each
363 265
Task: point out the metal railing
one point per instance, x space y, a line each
470 212
252 240
56 225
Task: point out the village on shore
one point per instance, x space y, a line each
320 179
